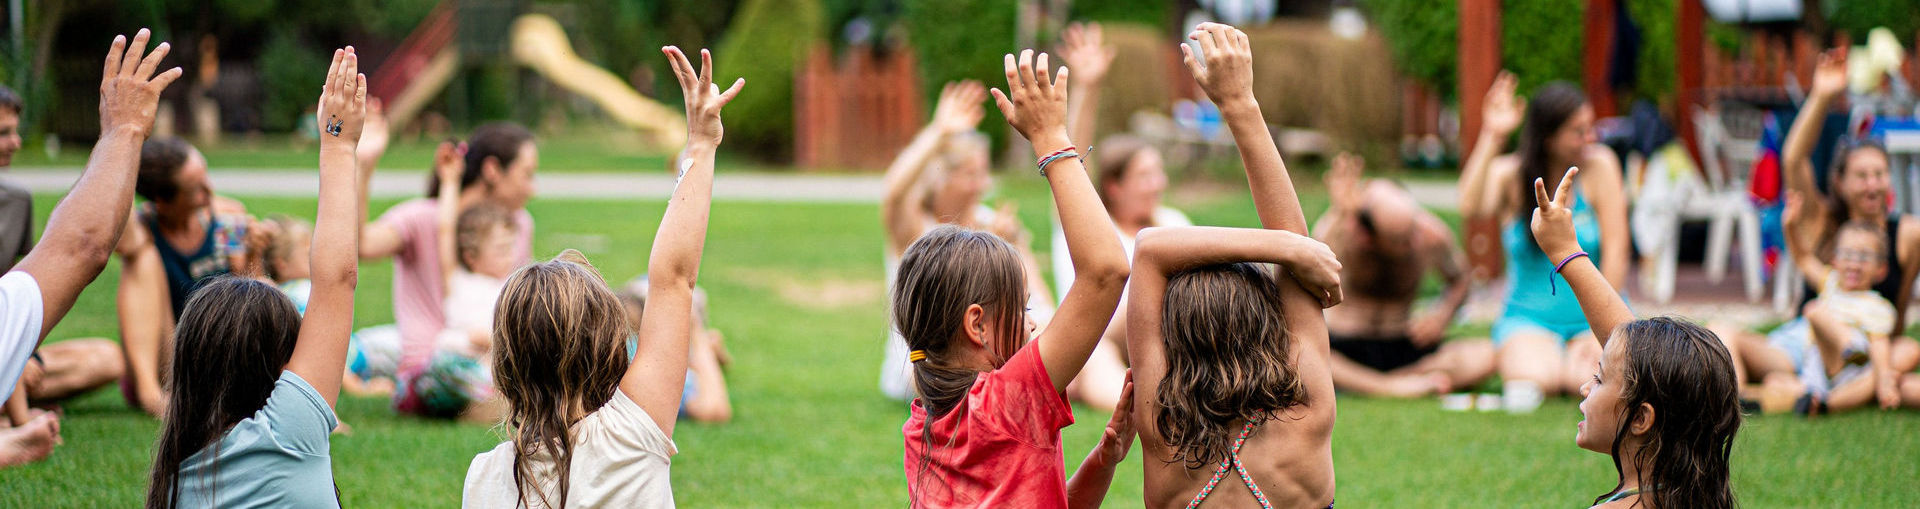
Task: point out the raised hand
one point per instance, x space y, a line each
1035 104
1502 112
1006 224
1830 74
704 99
1085 51
343 101
374 134
1118 437
959 109
449 161
1553 219
1343 181
1316 269
129 91
1226 73
1795 211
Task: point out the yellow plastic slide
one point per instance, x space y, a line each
540 44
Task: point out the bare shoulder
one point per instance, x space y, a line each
227 206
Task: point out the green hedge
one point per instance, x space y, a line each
963 39
1540 41
766 42
1857 17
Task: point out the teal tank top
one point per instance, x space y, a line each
1528 296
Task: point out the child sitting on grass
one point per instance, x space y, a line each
250 402
1663 402
371 355
1849 364
591 426
705 398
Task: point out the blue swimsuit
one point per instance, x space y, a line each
1531 306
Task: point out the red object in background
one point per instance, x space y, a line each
1765 179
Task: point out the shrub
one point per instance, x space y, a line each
963 39
765 43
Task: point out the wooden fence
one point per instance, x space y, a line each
855 111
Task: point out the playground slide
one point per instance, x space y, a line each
424 86
540 44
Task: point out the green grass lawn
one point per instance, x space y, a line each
797 290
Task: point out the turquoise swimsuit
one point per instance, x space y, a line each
1531 306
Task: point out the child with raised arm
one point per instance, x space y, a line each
1239 404
591 425
1663 401
1848 365
240 431
985 430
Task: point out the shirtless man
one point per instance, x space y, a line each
1386 244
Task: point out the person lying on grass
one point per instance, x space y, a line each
37 292
593 426
1663 400
250 404
1234 353
985 430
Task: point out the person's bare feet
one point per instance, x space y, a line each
1779 392
29 443
719 343
1418 385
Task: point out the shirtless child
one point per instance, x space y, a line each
1386 244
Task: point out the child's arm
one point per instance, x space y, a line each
1794 225
1227 77
659 370
1036 105
447 165
1553 229
958 110
1089 484
320 356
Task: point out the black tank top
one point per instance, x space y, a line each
1888 287
187 271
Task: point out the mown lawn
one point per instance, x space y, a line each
797 289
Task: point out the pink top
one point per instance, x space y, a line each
999 448
417 292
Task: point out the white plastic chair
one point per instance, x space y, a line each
1723 202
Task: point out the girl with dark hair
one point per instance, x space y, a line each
1129 177
1540 339
985 430
1663 400
248 417
578 403
495 167
1857 188
1238 406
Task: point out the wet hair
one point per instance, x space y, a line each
1685 373
1229 359
1838 213
1116 154
1549 110
238 334
940 276
559 353
10 101
499 141
161 159
288 231
473 227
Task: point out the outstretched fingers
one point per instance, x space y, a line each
114 53
1561 195
1540 198
151 62
727 96
681 67
131 60
706 69
1040 78
1025 71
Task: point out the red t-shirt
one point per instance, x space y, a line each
999 448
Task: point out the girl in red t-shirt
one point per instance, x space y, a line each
986 428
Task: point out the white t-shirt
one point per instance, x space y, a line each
1861 309
1063 261
620 459
468 307
20 315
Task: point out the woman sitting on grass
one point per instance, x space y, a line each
1234 354
985 430
251 402
577 403
1663 401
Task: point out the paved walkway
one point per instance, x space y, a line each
769 187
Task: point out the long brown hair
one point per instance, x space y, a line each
1684 372
941 274
1550 108
1229 359
559 352
499 141
237 335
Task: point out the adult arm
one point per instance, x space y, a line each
957 111
1794 223
1036 105
1829 82
1482 192
1553 229
84 228
1444 254
658 373
1084 50
1908 252
320 355
1604 186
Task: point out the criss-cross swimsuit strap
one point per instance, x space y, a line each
1233 460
